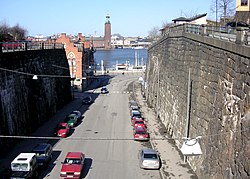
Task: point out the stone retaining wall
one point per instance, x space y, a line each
26 103
219 100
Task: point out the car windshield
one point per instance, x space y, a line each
137 115
40 153
19 166
141 132
72 161
139 122
150 156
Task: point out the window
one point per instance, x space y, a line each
244 2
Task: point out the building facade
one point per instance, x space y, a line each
74 54
243 11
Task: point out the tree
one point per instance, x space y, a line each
222 8
18 32
154 33
11 33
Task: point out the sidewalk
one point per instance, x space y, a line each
173 166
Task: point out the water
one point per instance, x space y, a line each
120 56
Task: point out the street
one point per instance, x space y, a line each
105 134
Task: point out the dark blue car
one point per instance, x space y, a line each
43 153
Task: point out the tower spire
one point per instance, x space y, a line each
108 18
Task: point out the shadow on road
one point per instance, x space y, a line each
87 166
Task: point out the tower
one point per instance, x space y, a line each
107 33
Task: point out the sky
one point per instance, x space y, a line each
130 18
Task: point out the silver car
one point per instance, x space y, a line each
149 159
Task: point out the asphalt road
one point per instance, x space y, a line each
105 134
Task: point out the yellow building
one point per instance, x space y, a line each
243 10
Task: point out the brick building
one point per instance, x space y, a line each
79 54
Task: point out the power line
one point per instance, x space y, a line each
59 76
115 139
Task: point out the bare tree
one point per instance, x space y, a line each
11 33
18 32
154 33
223 9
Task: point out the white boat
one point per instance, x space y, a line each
138 47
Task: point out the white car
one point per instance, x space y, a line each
77 113
149 159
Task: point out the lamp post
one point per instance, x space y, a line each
158 82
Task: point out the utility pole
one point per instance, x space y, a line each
216 13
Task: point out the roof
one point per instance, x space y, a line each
140 128
73 154
23 157
190 19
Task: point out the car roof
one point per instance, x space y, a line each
140 128
149 151
135 111
41 147
73 154
133 102
23 157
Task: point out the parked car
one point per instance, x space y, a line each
78 114
24 166
71 119
149 159
43 154
140 133
87 100
133 103
134 108
104 90
135 114
62 130
73 165
237 24
138 122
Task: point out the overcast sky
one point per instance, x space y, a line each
128 17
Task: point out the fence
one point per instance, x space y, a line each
24 46
238 35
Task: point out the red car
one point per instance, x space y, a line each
62 130
138 122
140 133
73 165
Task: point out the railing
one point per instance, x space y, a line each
24 46
237 35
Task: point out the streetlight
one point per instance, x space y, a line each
158 86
